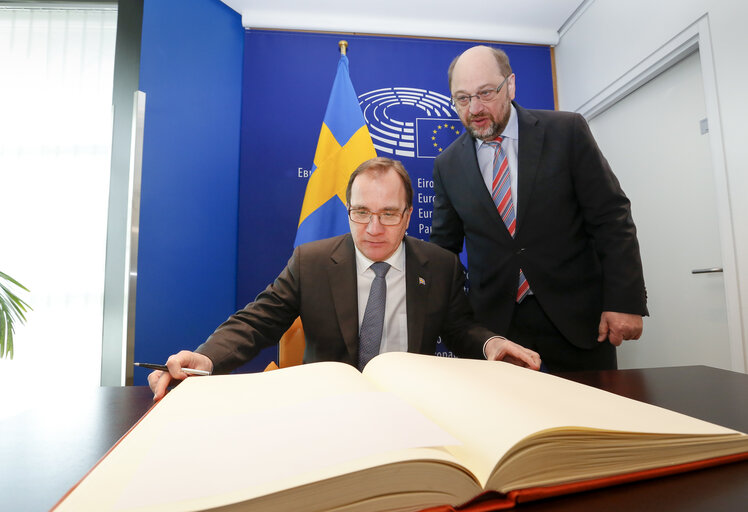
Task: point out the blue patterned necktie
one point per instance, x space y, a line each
370 336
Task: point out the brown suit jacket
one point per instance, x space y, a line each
319 284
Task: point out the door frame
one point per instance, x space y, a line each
695 37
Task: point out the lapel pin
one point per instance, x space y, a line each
421 281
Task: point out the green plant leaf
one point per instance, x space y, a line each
12 309
3 342
18 306
8 278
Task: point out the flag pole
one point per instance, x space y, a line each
343 45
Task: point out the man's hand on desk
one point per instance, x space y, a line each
501 349
159 381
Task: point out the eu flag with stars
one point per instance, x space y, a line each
434 135
344 143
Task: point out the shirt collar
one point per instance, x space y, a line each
396 261
511 130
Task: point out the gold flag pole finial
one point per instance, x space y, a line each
343 45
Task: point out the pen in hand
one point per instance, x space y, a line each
163 368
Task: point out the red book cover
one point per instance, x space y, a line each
491 501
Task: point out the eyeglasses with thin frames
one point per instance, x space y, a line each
386 217
484 96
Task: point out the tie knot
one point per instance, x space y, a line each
495 144
380 268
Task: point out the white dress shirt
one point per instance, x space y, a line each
510 143
395 331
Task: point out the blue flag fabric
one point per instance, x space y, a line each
435 134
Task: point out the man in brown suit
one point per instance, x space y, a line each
328 282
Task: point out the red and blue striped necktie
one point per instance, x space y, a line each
501 192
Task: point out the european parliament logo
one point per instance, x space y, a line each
409 122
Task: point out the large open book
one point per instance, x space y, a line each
411 432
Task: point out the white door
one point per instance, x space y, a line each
654 143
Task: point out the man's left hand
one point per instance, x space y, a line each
617 327
501 349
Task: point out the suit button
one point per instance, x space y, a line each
521 251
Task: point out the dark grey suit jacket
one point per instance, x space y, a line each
575 239
319 284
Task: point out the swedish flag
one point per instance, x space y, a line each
344 143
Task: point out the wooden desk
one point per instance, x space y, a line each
47 449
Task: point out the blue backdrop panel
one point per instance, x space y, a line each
191 61
402 86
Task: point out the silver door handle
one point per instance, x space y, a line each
712 270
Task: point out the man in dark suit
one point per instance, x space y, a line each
553 258
330 284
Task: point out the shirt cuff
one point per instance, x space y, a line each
485 344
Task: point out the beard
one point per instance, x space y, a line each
492 130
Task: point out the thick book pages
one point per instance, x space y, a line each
413 432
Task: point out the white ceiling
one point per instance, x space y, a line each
517 21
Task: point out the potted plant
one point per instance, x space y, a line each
12 309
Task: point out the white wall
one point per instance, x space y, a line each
611 37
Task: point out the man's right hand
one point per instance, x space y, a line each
159 381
